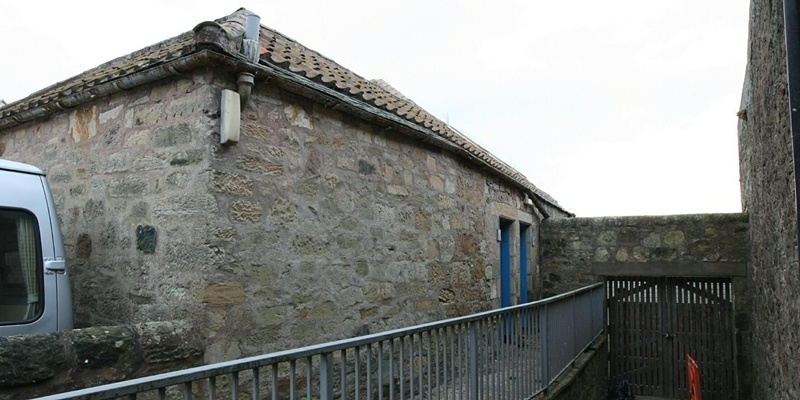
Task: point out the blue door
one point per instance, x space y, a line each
505 263
523 263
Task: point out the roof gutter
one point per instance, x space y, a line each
541 208
172 68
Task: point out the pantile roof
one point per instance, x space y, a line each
59 96
278 51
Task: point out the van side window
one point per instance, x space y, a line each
21 289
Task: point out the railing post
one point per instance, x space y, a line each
187 391
603 317
325 376
544 345
473 360
574 307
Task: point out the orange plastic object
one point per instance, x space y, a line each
694 378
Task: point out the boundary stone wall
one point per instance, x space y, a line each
585 379
571 246
38 365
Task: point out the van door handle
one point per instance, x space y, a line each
55 266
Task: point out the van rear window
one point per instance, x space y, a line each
21 288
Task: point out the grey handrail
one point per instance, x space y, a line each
482 335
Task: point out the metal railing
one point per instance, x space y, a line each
509 353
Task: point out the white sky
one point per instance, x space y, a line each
620 107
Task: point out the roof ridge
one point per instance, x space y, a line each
391 89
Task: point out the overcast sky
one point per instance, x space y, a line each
614 108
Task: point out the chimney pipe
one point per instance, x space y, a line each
251 48
251 26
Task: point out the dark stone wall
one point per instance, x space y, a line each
767 182
38 365
586 379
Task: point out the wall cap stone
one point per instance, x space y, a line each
666 268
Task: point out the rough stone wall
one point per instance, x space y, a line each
333 227
316 226
767 181
585 379
38 365
129 176
571 245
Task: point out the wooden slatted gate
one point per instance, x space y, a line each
655 321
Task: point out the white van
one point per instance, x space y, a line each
35 296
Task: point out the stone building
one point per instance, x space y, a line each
343 208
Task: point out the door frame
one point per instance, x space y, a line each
505 262
524 229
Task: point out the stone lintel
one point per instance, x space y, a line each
505 211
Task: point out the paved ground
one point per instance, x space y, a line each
509 370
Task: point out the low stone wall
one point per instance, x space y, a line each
571 246
586 379
38 365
